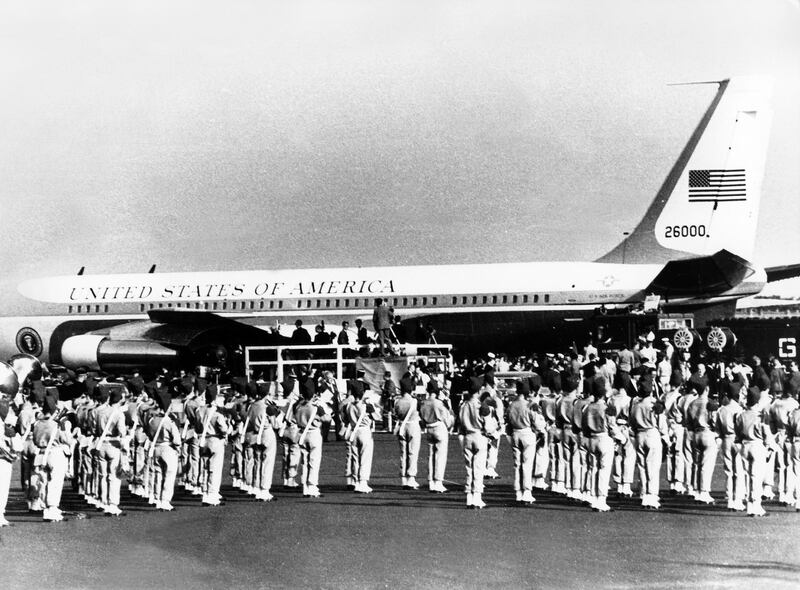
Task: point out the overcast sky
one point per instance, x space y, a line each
248 135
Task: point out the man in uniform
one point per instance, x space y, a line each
473 440
683 403
490 398
165 442
308 417
675 428
731 458
260 445
524 423
109 431
408 432
52 443
212 429
699 420
27 417
599 431
755 438
7 454
437 419
569 439
625 456
793 439
649 427
360 416
778 415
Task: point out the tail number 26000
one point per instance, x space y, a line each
685 231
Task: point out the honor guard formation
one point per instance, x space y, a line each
575 423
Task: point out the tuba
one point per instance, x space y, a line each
9 382
26 366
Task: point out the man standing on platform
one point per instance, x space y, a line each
382 321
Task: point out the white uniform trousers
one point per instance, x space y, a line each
409 439
438 440
704 455
475 461
648 459
523 443
600 448
362 454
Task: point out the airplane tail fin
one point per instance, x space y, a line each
710 199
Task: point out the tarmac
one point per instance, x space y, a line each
399 538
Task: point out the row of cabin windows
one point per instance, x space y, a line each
320 303
475 299
87 308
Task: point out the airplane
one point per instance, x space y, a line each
692 249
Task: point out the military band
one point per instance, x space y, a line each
575 435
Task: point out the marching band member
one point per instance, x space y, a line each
649 426
28 415
625 456
437 418
689 467
8 455
793 439
581 467
779 412
109 430
473 441
236 406
498 414
260 445
523 426
599 430
163 450
569 440
699 418
354 386
555 459
755 437
52 443
289 435
189 436
407 430
212 429
675 428
308 417
731 457
361 415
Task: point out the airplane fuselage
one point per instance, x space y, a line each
474 300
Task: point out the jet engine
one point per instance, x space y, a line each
99 352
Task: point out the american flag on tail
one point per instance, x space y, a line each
717 186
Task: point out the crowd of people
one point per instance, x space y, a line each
574 422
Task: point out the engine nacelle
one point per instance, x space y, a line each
97 352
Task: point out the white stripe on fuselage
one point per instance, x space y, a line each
533 277
570 285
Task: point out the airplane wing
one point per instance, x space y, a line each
167 337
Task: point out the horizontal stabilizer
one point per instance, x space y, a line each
778 273
701 276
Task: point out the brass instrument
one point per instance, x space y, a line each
9 382
26 366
